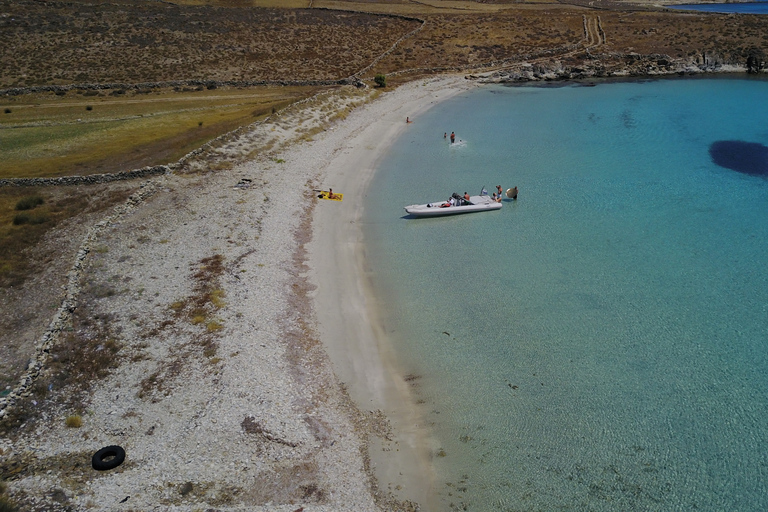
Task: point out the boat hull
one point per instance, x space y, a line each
479 204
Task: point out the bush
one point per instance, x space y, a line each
381 80
29 202
74 421
25 218
7 506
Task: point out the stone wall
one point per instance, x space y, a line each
91 179
63 317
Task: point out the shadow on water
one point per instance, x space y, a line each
745 157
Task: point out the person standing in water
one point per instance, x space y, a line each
453 137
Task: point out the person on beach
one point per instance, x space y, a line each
453 137
330 193
407 120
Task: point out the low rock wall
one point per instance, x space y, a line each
63 317
91 179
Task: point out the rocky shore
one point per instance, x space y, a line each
620 65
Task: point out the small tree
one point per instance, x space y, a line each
381 80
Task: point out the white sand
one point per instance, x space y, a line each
346 309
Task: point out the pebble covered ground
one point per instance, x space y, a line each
222 395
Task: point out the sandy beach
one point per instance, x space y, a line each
252 371
346 308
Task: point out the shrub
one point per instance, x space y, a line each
21 218
6 505
7 111
380 80
25 218
29 202
74 421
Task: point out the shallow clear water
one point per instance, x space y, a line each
602 342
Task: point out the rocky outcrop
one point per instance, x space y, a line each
623 65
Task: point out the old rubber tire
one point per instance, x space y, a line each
108 457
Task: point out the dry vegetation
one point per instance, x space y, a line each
62 43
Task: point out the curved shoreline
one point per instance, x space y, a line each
346 308
250 401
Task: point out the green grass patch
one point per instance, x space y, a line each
53 136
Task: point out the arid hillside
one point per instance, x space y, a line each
60 43
49 43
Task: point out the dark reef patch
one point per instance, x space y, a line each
745 157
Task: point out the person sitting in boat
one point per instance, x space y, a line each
466 197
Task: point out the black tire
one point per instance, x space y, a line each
108 457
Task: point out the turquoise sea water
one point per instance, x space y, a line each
602 342
743 7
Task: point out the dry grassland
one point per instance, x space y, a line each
46 134
62 43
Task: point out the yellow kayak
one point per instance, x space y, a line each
336 197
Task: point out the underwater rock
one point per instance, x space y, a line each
745 157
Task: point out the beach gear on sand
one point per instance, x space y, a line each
336 197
